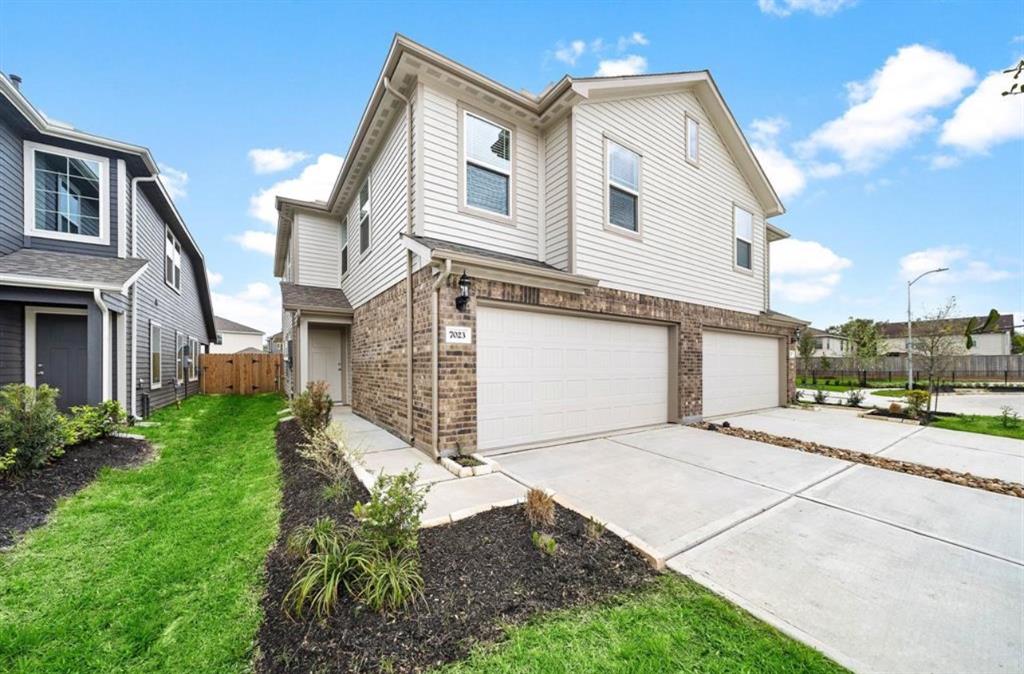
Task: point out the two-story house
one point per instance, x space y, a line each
829 344
103 291
494 268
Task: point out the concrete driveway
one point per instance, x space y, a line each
882 571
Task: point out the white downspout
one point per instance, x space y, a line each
135 291
435 310
97 296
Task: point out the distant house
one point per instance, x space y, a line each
234 337
995 343
829 345
275 344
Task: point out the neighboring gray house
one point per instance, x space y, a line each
103 291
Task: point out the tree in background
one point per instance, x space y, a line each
934 352
865 345
1018 342
805 349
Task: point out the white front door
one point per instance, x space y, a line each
544 376
325 359
740 372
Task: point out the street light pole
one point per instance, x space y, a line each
910 336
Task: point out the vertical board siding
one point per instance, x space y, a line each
12 204
319 244
686 252
442 218
556 197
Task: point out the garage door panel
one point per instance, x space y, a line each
578 376
740 372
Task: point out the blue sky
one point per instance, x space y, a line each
878 122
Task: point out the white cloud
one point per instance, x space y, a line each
985 118
874 185
627 41
214 278
827 170
804 272
174 181
632 64
944 161
261 242
962 268
892 108
571 52
272 160
815 7
259 306
785 175
314 183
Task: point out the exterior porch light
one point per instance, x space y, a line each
463 298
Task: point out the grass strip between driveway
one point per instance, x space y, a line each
156 568
676 626
977 423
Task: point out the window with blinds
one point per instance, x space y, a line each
623 187
488 152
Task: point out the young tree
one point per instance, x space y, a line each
865 344
1018 342
805 349
935 349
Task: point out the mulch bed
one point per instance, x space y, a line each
26 500
964 479
480 574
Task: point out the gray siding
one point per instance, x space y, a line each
12 342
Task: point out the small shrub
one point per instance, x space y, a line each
329 454
311 539
594 529
820 396
854 398
7 458
32 431
391 518
540 508
388 580
322 576
917 402
1008 417
312 408
544 543
91 422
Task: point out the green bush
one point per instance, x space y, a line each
90 422
391 518
324 574
917 401
32 431
854 398
388 579
312 408
1008 417
331 455
545 543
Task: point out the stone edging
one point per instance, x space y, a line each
489 466
941 474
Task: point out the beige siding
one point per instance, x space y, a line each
319 240
382 265
686 252
442 216
556 194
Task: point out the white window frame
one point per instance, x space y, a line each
692 154
30 149
736 238
364 213
609 226
464 207
344 259
158 381
180 373
175 256
193 359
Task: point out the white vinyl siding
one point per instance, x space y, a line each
686 252
556 197
442 216
318 239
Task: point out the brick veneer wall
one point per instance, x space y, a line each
379 365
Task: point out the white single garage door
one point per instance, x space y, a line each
741 373
544 376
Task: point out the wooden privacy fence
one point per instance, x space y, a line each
242 373
960 368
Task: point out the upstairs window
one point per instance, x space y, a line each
364 217
344 246
743 226
155 355
66 195
692 140
488 152
623 187
172 260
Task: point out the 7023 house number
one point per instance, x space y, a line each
458 335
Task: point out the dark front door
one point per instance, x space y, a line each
61 356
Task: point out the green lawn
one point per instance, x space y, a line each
677 626
891 393
806 382
973 423
157 568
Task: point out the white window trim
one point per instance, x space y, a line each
177 247
30 149
463 206
345 231
180 340
192 371
690 119
735 237
363 252
609 226
158 382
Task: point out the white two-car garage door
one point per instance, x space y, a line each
544 376
740 372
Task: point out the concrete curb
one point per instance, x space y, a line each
129 436
464 513
655 559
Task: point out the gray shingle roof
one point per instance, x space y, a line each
952 326
103 272
313 298
439 244
227 325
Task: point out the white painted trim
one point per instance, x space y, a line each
106 370
303 369
465 110
30 334
60 284
193 367
135 350
122 359
153 385
609 226
176 246
30 195
122 208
